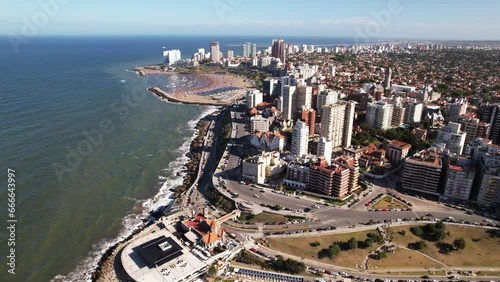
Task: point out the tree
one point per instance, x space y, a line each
333 251
440 234
352 243
212 271
459 243
417 231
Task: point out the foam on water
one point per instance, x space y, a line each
173 176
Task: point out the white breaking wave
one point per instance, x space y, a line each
83 271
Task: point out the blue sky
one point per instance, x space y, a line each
409 19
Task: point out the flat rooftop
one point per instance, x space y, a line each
184 264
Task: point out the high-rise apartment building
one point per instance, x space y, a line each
489 113
171 56
348 123
388 78
422 172
379 115
451 138
413 112
325 149
278 50
460 175
473 128
326 98
309 117
304 96
288 102
332 123
300 139
329 180
214 51
253 97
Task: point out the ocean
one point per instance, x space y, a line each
92 150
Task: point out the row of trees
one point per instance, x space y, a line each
430 232
336 248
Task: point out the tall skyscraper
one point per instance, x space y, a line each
288 101
388 77
247 49
332 123
278 49
490 113
326 98
300 139
304 96
253 51
214 51
348 123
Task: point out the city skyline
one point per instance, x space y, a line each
446 20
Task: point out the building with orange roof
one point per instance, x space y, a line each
208 231
337 180
268 141
396 151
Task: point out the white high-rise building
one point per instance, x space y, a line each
253 50
304 96
332 123
451 137
214 51
379 115
326 98
229 54
172 56
413 113
348 123
254 97
325 149
300 139
247 49
288 101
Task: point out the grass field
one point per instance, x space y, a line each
480 250
401 259
265 217
300 247
389 202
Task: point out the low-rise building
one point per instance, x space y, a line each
268 141
259 123
396 151
260 168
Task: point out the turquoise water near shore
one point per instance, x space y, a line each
78 193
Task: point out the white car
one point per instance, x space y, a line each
255 195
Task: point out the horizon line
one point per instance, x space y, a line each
270 36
